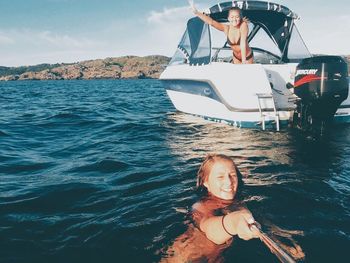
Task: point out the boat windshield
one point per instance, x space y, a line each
195 45
265 48
297 49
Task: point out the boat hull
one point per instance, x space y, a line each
343 113
225 92
213 110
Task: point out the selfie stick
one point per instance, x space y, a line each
274 248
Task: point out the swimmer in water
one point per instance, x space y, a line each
218 218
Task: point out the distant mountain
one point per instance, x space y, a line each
109 68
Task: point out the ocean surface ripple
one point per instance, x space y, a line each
104 171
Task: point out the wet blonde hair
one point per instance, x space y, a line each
207 164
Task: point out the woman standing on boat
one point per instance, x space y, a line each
236 31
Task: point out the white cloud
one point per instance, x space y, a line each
168 15
26 46
158 32
165 29
47 39
5 40
65 41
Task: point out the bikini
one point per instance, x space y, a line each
238 42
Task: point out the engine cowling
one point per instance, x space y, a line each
322 84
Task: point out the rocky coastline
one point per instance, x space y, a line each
127 67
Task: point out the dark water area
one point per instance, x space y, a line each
104 171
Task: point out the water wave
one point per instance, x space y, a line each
103 170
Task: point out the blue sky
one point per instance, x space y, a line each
51 31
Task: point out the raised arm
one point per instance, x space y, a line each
205 18
244 35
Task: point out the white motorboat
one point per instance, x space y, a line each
281 86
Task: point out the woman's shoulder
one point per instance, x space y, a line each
199 206
203 207
201 210
226 28
244 23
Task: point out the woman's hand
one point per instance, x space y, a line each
245 19
239 223
192 6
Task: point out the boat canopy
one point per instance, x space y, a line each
267 8
195 44
276 20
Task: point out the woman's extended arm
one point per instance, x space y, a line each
205 18
244 35
219 229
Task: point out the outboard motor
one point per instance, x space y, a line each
322 85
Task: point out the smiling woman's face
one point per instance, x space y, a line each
234 17
222 181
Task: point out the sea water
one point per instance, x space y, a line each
104 171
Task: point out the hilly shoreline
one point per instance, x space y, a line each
127 67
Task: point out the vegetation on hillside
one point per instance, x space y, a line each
5 71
